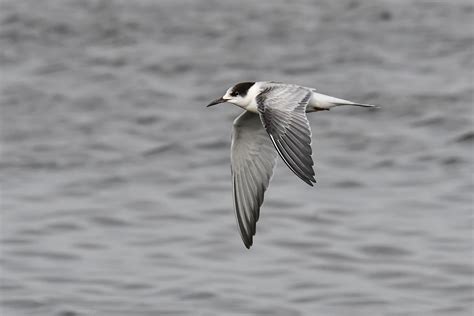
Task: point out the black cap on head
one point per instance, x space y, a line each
242 88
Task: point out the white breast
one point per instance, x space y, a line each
252 107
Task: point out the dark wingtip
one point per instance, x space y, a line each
248 243
309 181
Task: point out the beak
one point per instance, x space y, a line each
217 101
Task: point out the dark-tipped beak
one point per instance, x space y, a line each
217 101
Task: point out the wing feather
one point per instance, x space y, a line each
282 109
253 159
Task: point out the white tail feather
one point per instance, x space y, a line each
358 104
326 102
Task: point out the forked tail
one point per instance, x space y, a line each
358 104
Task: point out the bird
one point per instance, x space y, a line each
273 124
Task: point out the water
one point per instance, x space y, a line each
116 193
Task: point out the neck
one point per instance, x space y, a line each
252 97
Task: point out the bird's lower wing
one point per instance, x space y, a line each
253 158
282 111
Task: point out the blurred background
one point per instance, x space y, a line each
116 194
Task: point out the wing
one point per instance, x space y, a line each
282 110
253 158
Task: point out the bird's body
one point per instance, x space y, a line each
273 124
317 101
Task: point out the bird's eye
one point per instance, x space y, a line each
234 94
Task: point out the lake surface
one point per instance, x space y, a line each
115 179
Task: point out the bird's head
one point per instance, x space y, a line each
237 95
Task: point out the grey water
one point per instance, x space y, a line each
115 179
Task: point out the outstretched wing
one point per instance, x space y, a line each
282 111
253 158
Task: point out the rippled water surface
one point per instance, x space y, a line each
116 194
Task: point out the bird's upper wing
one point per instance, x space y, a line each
253 158
282 111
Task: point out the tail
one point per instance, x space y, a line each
325 102
358 104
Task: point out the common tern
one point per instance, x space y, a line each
274 123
